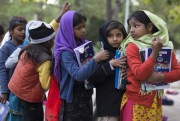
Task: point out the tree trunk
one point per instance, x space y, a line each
116 10
108 10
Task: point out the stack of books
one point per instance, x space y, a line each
162 65
120 83
83 54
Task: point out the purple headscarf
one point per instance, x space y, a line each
64 41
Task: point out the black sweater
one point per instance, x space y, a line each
108 99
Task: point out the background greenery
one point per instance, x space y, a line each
97 11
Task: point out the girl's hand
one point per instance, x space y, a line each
156 47
101 55
64 8
120 62
124 73
3 97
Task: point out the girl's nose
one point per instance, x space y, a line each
84 30
115 38
131 30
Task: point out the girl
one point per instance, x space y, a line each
17 34
108 99
146 31
77 101
34 62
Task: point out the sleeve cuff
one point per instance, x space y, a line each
54 24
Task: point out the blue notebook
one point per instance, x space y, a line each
120 83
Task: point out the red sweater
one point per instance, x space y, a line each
138 71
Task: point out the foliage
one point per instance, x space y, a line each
95 11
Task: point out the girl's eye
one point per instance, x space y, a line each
119 35
109 36
135 26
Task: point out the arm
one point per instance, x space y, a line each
101 73
141 70
107 69
173 75
44 74
4 77
55 23
12 59
169 77
70 64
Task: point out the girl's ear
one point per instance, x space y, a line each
150 27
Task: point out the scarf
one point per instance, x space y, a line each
65 40
145 41
103 39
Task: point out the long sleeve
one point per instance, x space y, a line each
54 25
13 59
5 74
141 70
69 62
44 74
173 75
100 75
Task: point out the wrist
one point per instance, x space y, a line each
96 60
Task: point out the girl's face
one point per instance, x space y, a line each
18 34
138 29
80 31
114 38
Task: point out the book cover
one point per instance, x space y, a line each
120 83
83 54
4 110
163 64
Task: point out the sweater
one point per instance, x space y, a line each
71 72
138 71
108 99
5 74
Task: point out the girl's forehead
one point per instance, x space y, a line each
21 26
115 30
134 20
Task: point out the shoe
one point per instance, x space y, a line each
166 101
164 118
172 92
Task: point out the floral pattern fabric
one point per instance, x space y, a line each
144 113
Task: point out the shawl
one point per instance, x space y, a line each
103 38
65 40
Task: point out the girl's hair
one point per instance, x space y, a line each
116 25
16 21
78 18
142 18
2 32
35 50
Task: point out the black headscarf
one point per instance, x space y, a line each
103 37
